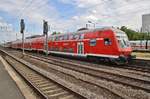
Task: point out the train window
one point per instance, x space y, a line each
76 37
53 38
107 41
56 38
65 37
93 42
50 39
81 36
70 37
61 38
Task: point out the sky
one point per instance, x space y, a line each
68 15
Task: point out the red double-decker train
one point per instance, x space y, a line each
103 43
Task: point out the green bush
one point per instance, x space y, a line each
133 35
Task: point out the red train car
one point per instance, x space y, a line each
105 43
16 44
108 43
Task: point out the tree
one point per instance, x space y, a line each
133 35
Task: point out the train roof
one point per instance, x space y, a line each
82 30
86 30
34 36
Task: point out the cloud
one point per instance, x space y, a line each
6 30
102 12
83 3
33 11
111 12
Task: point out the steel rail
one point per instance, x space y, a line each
34 80
75 65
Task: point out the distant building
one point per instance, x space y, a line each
146 23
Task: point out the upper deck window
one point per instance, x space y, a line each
56 38
61 38
70 37
65 37
76 37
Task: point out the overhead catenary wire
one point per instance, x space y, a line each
26 5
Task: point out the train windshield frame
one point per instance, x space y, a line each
122 39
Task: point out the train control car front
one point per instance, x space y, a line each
124 48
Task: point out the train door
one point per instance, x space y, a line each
80 48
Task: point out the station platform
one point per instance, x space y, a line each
142 55
8 88
143 58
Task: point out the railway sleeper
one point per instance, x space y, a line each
45 85
40 82
33 75
58 95
37 78
50 91
69 97
53 87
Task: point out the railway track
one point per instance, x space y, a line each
121 79
115 77
136 65
46 88
94 76
140 65
77 90
145 69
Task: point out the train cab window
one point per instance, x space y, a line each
107 41
122 39
93 42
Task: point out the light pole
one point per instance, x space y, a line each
22 28
45 32
92 23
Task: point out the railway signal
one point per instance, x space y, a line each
22 28
45 27
45 33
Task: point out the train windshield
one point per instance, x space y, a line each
122 39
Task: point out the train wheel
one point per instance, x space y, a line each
121 61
